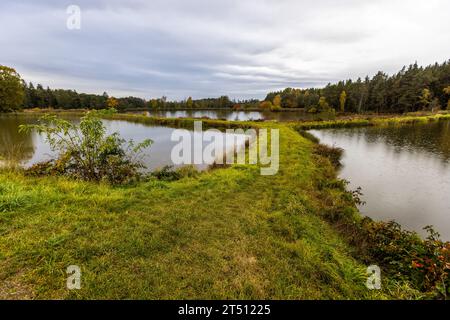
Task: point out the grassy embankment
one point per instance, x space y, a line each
372 121
228 233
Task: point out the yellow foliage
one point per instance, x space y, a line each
277 101
112 102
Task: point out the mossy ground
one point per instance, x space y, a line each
227 234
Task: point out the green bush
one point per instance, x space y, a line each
86 152
275 108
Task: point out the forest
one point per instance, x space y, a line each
413 88
40 97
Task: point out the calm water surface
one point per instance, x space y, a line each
404 172
231 115
31 148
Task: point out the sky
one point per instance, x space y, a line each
208 48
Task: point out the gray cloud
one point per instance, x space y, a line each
206 48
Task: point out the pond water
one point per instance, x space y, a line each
404 172
231 115
31 148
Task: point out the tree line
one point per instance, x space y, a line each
413 88
16 94
39 97
27 96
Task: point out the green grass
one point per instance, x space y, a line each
227 234
376 121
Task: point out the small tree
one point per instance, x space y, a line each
425 98
153 103
342 100
266 105
112 103
11 89
323 105
189 103
276 105
86 152
277 101
447 92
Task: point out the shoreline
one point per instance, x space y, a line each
296 197
353 117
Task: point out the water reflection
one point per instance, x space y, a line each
33 147
404 171
231 115
15 146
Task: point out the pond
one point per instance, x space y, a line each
404 172
231 115
31 148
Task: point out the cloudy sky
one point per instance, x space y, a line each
206 48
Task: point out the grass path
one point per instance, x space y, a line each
229 233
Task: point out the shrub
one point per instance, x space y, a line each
432 264
168 173
275 108
426 263
334 154
189 171
402 254
86 152
266 105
